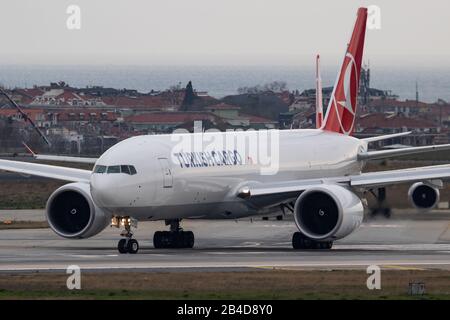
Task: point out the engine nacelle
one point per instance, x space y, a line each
71 213
328 212
423 196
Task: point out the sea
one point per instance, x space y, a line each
219 81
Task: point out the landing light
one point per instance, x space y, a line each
244 193
122 222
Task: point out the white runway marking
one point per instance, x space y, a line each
89 256
279 225
232 253
247 244
395 247
382 226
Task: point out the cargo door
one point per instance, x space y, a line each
166 172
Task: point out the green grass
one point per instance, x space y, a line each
32 202
24 225
163 295
234 285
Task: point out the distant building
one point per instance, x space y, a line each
231 114
144 102
366 95
424 132
251 121
166 121
65 97
408 108
224 110
38 116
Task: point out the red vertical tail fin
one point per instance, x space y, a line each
341 111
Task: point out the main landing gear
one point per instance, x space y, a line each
175 238
381 206
299 241
127 244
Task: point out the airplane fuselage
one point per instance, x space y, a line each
198 175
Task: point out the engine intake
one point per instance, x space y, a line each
328 212
71 213
423 196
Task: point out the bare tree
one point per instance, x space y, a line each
274 86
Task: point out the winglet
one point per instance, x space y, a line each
29 149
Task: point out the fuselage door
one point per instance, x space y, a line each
167 172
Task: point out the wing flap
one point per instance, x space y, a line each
50 157
367 180
372 179
64 158
255 189
47 171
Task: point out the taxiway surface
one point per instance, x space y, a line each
230 245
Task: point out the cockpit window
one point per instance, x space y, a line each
114 169
127 169
100 169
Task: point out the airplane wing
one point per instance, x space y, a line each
64 158
59 158
47 171
290 189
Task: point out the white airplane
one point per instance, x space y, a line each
318 171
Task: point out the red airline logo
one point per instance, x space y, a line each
342 108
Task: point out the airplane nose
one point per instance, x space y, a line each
103 193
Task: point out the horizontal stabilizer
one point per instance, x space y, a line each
382 154
386 137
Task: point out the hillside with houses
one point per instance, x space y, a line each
90 120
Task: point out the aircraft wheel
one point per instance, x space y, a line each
299 241
157 243
122 246
175 240
189 239
324 245
163 240
387 212
133 246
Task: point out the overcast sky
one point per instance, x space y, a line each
220 32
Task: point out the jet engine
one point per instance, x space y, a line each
328 212
423 196
71 213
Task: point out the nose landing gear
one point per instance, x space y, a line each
176 238
127 244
